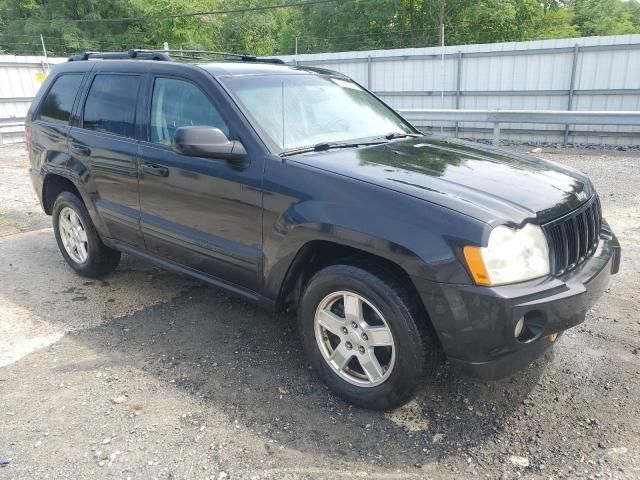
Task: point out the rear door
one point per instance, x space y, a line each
105 141
50 124
202 213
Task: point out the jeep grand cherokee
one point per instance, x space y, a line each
297 188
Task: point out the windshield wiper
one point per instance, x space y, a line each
323 146
394 135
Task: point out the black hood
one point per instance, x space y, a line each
490 184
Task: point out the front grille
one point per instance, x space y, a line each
574 237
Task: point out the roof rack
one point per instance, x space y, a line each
200 54
128 54
170 55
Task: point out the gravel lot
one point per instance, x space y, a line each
146 374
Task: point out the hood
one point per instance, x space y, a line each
487 183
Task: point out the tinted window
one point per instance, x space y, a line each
111 104
177 103
58 103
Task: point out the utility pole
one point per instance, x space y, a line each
443 71
44 49
441 21
412 23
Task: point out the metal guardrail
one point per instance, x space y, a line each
10 123
376 69
497 117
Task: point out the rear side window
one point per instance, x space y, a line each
56 106
176 104
111 104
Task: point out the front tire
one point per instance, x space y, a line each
78 239
364 334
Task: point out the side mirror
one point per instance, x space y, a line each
196 141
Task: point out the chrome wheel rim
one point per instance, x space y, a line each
73 235
354 339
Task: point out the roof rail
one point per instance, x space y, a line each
170 55
128 54
200 54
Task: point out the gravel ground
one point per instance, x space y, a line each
147 374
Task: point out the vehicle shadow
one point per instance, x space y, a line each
249 364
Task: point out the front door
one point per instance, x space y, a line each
201 213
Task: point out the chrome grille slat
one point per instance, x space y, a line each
560 246
583 235
590 228
598 218
574 237
574 241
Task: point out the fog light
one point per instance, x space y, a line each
519 327
553 337
530 327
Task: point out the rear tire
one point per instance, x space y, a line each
78 239
391 334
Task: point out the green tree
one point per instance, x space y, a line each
75 25
253 32
603 17
193 32
25 20
358 24
557 23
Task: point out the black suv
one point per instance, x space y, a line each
297 188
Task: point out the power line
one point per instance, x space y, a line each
200 14
37 35
128 34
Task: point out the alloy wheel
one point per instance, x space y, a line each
73 235
354 339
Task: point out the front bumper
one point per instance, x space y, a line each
475 325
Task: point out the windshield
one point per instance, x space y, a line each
296 111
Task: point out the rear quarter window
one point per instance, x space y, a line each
111 104
58 102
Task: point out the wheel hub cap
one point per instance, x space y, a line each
354 339
73 235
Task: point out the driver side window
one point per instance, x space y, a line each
178 103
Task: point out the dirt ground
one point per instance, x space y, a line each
146 374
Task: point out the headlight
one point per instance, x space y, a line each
511 256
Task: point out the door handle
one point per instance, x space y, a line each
153 169
80 149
